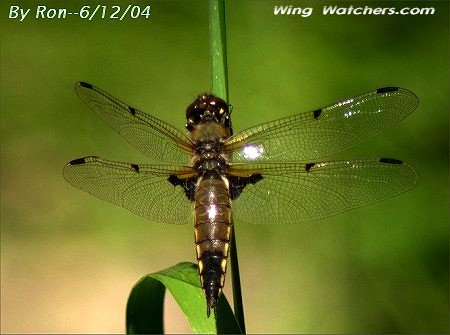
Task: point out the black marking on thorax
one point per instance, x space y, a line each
209 159
208 147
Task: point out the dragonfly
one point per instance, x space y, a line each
274 172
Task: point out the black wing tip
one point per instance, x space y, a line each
84 84
387 89
390 161
411 95
83 160
77 161
135 167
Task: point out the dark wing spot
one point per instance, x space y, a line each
317 113
86 85
174 180
237 184
254 178
135 167
387 89
308 166
188 185
390 161
77 161
132 110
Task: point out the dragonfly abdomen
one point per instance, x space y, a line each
212 234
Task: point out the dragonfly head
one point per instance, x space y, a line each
207 108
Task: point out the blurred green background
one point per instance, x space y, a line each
69 260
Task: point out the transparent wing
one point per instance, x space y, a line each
293 193
149 135
317 134
142 189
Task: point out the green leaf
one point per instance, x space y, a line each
144 308
146 302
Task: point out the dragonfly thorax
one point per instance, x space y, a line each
210 162
206 134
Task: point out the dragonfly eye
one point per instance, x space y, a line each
219 109
194 116
207 107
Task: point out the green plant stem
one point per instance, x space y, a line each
236 283
219 69
218 47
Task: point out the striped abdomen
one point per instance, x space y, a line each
212 234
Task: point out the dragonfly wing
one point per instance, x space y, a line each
142 189
294 193
150 136
317 134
